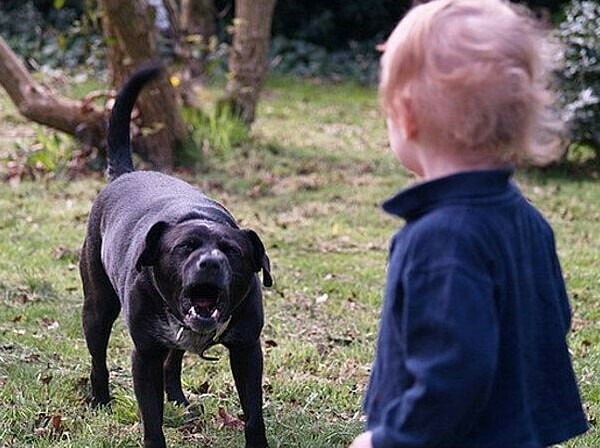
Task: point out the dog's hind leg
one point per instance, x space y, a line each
172 371
100 309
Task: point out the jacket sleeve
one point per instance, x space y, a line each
449 333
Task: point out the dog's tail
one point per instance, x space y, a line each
119 141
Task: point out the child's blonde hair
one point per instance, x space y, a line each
476 74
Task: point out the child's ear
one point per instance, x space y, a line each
403 113
408 119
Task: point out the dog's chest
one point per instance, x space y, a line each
171 333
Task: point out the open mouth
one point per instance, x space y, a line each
204 301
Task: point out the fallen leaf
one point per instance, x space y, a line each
49 323
23 298
322 298
32 357
203 388
227 420
40 431
45 378
57 423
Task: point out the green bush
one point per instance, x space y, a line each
336 39
63 38
333 24
214 133
580 75
359 62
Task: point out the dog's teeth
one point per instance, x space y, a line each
215 314
179 334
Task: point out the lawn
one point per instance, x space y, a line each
310 182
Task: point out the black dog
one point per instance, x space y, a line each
183 273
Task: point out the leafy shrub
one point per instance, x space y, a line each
337 39
360 62
333 24
580 76
214 134
57 38
52 155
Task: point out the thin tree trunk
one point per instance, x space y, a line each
198 20
40 104
249 56
192 25
131 43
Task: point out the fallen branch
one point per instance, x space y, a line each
39 103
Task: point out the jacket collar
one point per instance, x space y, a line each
466 187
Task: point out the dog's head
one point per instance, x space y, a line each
204 269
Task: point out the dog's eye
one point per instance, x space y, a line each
187 246
229 247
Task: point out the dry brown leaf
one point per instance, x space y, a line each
230 421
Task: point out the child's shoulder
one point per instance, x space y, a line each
470 234
446 235
446 223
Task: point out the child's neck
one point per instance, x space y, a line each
436 163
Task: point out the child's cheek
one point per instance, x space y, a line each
398 142
395 136
403 149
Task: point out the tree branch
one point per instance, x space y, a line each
40 104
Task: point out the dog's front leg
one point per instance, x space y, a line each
172 370
147 370
247 368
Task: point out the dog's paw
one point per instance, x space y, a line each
194 411
178 400
96 401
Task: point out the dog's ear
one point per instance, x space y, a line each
261 260
149 252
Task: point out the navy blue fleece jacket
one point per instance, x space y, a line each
471 349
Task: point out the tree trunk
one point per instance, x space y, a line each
249 56
131 42
193 22
198 24
40 104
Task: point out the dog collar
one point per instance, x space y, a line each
220 330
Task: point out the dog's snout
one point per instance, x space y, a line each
208 264
211 266
211 262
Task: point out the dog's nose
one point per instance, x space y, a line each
210 267
211 262
208 264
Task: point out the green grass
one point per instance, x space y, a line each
309 182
